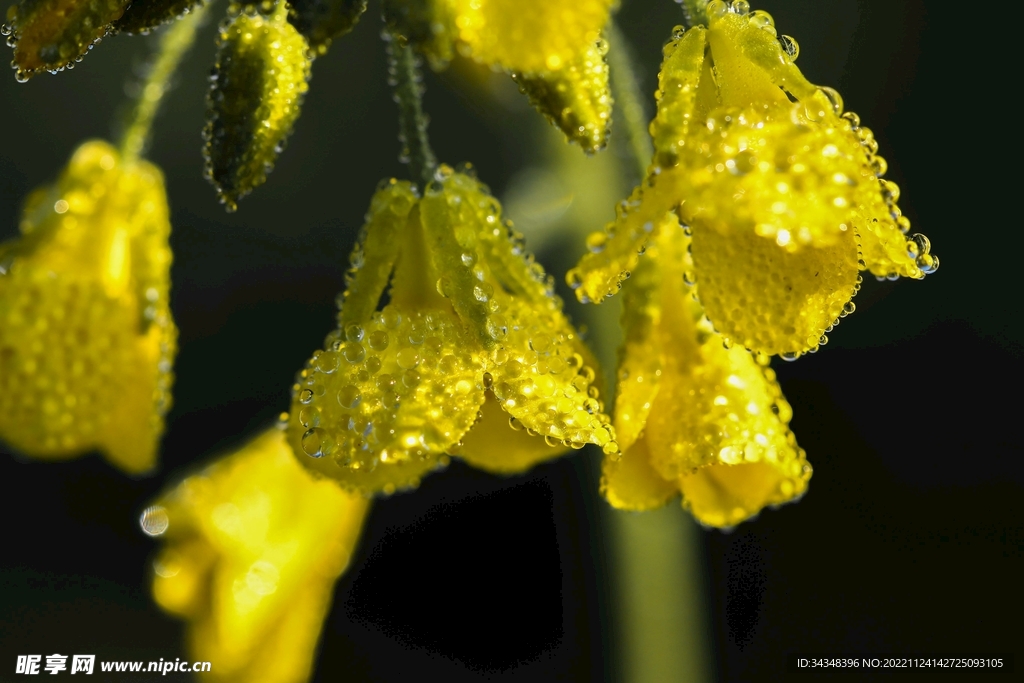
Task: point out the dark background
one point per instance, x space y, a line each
909 540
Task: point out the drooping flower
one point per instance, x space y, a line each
254 546
86 335
554 51
693 415
783 192
471 348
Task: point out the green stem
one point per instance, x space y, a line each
407 81
626 89
174 43
695 12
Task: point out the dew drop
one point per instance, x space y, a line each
154 520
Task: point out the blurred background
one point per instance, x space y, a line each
910 539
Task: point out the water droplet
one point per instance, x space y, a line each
353 352
327 362
305 396
790 47
349 397
313 441
833 97
154 520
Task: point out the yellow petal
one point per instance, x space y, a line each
615 251
86 337
379 244
528 36
500 444
768 299
385 400
639 370
629 482
540 371
254 547
52 34
260 77
717 408
576 98
680 74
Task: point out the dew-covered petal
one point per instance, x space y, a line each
49 35
615 251
540 371
528 36
576 98
750 62
502 445
639 370
681 71
887 247
321 21
86 336
260 77
142 16
629 482
254 544
718 408
386 399
373 258
768 299
796 185
452 223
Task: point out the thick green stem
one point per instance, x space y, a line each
407 81
626 89
174 44
695 12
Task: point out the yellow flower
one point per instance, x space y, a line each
782 191
86 336
554 50
254 547
472 337
693 415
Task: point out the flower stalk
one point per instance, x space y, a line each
407 81
174 44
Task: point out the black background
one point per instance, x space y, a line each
909 540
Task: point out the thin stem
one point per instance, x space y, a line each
626 89
174 43
407 81
695 12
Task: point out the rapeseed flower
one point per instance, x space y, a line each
471 348
782 191
254 546
86 335
694 415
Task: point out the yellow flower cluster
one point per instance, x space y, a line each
472 329
254 545
762 203
86 336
